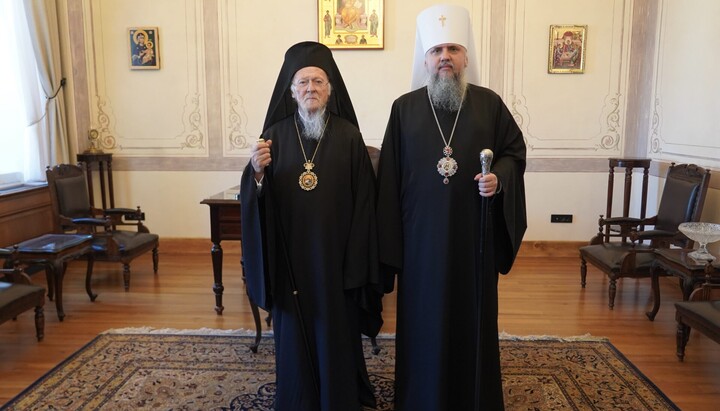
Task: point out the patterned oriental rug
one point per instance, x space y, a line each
214 370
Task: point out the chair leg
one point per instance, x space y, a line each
155 258
683 335
40 322
126 276
656 296
88 279
612 290
583 272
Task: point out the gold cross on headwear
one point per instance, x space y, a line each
442 20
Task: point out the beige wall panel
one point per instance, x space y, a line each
568 115
235 54
375 78
148 112
248 70
686 124
171 199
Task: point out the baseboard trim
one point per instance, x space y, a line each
550 248
195 246
527 248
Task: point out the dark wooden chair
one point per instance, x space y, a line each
701 312
619 249
18 294
73 212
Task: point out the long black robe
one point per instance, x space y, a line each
430 236
332 246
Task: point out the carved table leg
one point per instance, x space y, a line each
58 268
217 258
88 279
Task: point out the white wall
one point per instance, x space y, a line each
171 199
182 133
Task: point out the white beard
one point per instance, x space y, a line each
313 125
447 93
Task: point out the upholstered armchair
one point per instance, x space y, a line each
623 246
18 294
119 233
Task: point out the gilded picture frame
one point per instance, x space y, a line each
144 48
567 49
351 24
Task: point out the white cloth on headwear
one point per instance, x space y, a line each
441 24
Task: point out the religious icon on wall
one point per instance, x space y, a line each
567 49
351 24
144 48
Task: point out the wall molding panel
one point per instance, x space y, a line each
236 140
684 122
147 113
568 115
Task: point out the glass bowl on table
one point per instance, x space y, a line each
703 234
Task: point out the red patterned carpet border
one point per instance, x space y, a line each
218 372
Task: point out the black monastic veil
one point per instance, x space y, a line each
330 238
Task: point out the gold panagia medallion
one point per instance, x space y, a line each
308 180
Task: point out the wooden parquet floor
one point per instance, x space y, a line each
541 296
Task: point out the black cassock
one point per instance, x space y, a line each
332 247
430 235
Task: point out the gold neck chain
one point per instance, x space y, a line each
308 179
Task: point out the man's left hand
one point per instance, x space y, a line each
487 184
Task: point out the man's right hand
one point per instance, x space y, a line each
260 157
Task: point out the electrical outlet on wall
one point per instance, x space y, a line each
561 218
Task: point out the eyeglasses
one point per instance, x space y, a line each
317 82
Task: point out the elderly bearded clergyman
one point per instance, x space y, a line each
309 236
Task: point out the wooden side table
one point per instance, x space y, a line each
677 263
104 162
54 251
225 224
700 313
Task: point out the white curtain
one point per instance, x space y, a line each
49 130
21 102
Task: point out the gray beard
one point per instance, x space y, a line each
313 125
447 93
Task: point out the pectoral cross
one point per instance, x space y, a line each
442 20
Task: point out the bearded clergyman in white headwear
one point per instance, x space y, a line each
446 228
